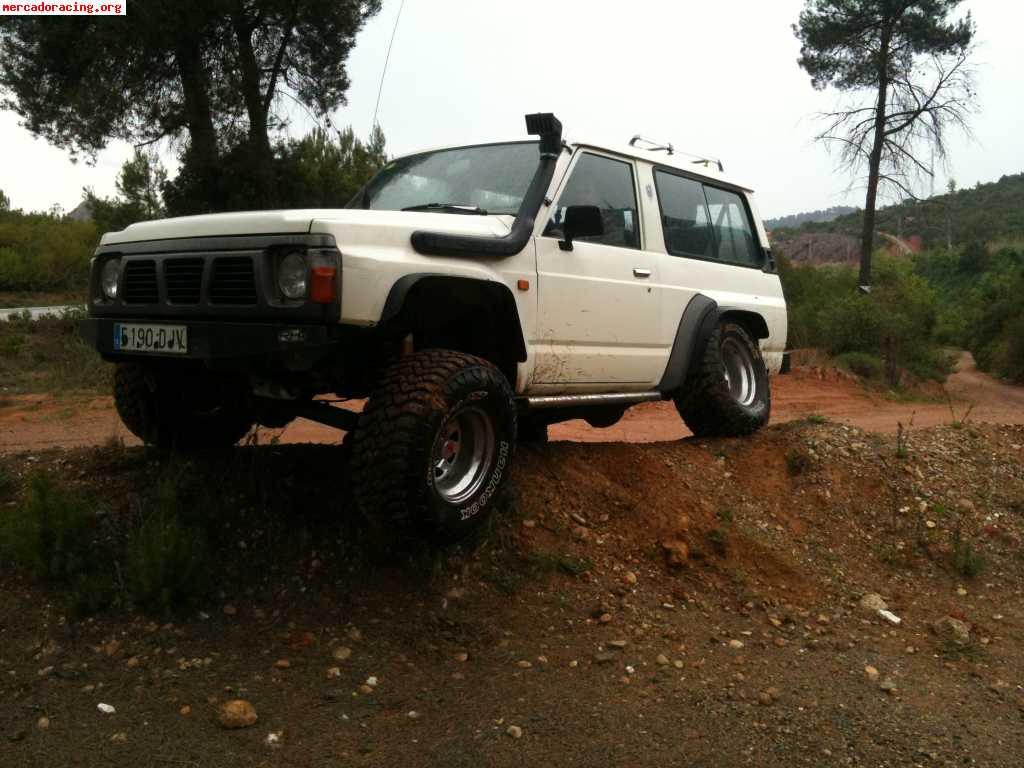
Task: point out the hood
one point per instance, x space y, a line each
303 220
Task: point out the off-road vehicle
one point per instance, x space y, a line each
473 294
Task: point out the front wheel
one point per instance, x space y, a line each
182 411
434 445
728 392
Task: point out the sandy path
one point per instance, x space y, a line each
41 421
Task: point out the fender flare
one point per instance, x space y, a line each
500 296
699 320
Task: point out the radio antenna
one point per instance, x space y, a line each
387 58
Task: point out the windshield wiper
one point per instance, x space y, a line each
474 210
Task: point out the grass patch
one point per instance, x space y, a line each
48 355
162 568
967 560
52 534
816 418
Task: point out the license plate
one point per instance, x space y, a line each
163 339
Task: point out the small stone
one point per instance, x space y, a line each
514 731
237 713
605 618
873 603
185 711
888 685
781 642
106 709
119 738
578 518
824 619
342 652
273 740
355 635
872 673
678 664
619 644
952 630
961 591
966 505
230 610
529 523
412 714
891 617
574 663
735 644
333 672
283 664
133 662
580 533
765 698
365 689
662 659
462 657
604 657
524 664
929 523
43 723
371 681
629 578
677 553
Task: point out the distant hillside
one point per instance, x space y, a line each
987 212
796 219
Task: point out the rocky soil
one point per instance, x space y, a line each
814 595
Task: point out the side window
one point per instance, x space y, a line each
733 235
684 216
608 184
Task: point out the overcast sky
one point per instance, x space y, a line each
711 77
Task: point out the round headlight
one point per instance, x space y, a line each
292 276
108 278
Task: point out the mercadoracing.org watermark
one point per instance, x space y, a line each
120 8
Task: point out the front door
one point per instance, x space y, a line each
599 305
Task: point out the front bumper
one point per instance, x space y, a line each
292 345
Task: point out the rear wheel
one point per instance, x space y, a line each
179 411
728 394
434 445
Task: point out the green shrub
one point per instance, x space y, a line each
50 532
167 567
865 365
39 252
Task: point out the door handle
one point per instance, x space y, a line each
641 273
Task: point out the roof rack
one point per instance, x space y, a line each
654 146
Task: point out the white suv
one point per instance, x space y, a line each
474 294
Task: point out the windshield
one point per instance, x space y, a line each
491 178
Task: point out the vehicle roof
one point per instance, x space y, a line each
679 160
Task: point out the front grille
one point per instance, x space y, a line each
140 283
184 280
233 281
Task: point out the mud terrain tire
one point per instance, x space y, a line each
728 392
434 445
178 412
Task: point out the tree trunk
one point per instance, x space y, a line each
203 154
867 237
260 154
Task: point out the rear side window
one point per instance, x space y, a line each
733 235
705 222
684 216
608 184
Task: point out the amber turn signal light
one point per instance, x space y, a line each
323 288
523 285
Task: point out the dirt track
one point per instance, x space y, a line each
40 421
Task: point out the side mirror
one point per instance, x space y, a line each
580 221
